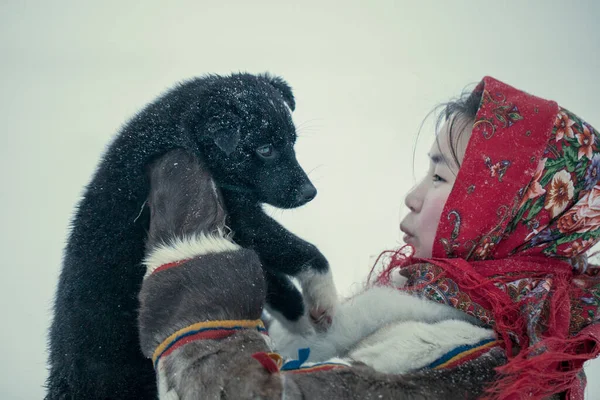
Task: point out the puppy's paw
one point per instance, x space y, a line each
320 318
280 326
320 297
287 342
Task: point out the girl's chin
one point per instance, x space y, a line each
420 253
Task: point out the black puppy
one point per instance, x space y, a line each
241 127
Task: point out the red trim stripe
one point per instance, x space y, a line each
475 354
316 368
266 361
207 335
170 265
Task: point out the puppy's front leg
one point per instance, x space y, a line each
319 291
285 303
282 252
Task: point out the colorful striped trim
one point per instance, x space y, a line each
273 363
464 353
325 366
204 331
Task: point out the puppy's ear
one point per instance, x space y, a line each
224 130
281 85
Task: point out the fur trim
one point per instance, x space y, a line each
412 345
360 317
178 249
164 391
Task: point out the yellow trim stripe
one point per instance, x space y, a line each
199 326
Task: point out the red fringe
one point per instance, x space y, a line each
538 371
538 376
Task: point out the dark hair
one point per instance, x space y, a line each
459 112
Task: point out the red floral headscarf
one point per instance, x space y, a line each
510 246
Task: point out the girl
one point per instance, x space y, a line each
499 227
509 246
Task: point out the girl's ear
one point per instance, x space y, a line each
283 88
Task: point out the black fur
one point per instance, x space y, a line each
281 252
94 348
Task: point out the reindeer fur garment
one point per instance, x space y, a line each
228 285
388 330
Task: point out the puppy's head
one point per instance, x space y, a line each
247 137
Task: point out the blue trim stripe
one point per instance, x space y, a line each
456 351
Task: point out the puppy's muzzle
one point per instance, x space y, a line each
306 193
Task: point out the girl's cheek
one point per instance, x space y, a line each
435 207
429 221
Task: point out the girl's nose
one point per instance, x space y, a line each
413 201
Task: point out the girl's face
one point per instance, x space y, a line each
426 201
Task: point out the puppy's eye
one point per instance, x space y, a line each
265 151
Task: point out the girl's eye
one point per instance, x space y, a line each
265 151
437 178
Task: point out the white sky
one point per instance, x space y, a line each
365 74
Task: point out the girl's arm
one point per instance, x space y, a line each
228 286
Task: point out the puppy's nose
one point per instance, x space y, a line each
307 192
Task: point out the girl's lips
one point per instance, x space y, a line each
408 238
407 234
405 231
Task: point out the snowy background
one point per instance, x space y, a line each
365 74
